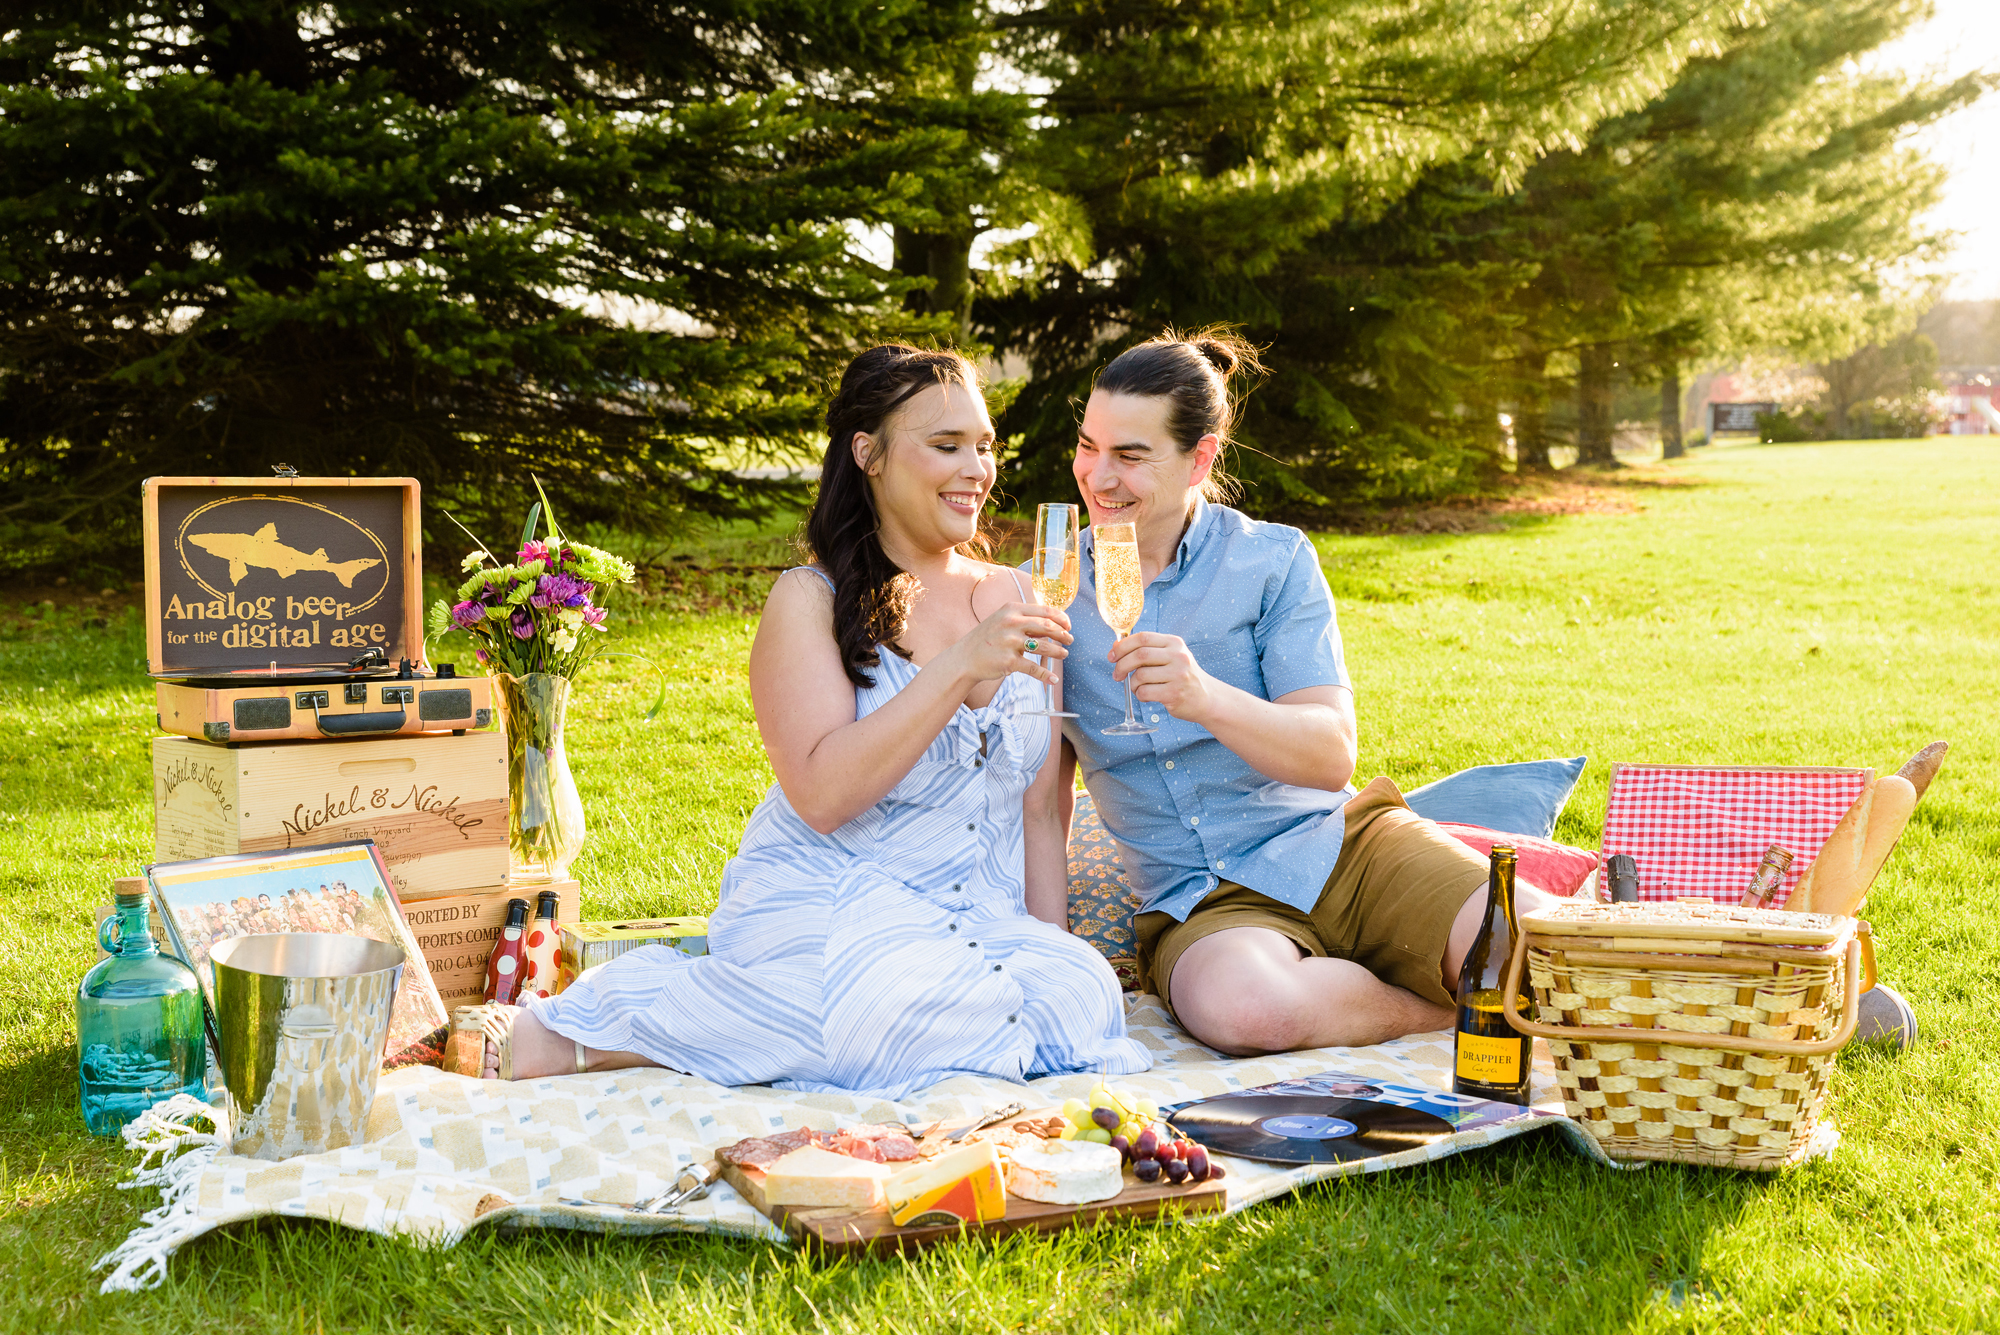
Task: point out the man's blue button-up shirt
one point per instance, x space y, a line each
1255 610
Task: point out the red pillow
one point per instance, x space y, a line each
1556 868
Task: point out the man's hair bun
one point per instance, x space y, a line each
1220 354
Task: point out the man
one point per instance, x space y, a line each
1280 909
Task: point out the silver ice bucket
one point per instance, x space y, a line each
301 1018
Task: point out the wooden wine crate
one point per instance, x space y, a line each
456 931
436 804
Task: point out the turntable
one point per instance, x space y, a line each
290 607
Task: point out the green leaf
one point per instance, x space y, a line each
528 529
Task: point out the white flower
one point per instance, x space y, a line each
571 617
564 639
472 561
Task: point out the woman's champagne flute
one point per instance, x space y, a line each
1121 597
1053 573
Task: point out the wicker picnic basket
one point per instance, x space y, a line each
1700 1033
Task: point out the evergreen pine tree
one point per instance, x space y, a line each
610 243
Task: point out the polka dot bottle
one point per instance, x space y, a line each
544 940
508 960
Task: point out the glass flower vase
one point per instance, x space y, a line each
545 827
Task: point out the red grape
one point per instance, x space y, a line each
1123 1147
1176 1172
1215 1173
1147 1145
1147 1170
1197 1162
1107 1118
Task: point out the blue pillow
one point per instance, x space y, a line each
1522 798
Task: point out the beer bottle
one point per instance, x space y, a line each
1492 1060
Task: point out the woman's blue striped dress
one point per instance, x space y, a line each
884 957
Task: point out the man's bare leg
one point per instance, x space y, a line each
538 1052
1250 990
1465 927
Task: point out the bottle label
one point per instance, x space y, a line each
1489 1060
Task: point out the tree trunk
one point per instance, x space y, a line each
1670 410
1531 416
1593 407
946 259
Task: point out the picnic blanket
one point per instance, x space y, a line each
445 1154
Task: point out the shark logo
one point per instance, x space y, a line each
263 550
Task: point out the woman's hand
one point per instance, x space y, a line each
1000 644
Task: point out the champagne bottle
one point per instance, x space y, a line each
1768 878
506 965
1492 1060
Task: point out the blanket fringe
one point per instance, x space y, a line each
173 1151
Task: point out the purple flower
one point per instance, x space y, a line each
560 590
522 625
480 656
468 614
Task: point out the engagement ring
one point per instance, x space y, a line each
1028 645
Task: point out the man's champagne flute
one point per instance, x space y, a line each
1053 573
1121 597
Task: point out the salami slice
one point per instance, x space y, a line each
896 1148
754 1152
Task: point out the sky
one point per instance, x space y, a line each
1963 36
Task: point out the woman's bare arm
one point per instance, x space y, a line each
832 766
1045 829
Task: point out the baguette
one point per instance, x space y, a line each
1839 878
1923 766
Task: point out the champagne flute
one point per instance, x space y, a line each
1121 597
1053 575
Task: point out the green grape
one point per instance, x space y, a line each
1077 1111
1147 1109
1096 1133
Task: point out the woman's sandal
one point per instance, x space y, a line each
473 1027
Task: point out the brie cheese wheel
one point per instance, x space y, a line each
1066 1172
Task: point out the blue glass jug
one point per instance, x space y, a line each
139 1034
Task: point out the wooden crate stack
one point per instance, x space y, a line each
435 803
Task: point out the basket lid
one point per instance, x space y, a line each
1691 922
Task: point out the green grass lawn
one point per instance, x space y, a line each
1825 604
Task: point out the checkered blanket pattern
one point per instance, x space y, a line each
1700 830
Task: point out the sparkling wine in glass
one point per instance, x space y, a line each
1053 573
1121 597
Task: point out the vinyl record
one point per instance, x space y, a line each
1307 1128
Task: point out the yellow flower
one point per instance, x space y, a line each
564 639
571 617
472 561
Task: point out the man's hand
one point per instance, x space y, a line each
1164 672
1304 737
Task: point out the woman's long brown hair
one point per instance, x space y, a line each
871 593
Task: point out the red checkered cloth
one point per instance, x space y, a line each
1700 830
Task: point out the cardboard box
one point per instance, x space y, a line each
589 944
436 804
456 931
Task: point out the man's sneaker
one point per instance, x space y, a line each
1886 1015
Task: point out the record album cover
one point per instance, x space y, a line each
339 888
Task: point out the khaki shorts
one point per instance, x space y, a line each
1388 905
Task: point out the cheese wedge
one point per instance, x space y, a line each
1066 1172
813 1176
962 1186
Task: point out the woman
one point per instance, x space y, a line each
894 915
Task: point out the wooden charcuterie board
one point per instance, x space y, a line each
842 1230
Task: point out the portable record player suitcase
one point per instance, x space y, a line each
292 607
